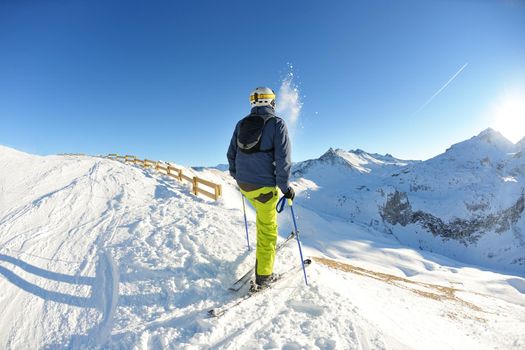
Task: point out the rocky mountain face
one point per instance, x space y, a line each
467 203
398 210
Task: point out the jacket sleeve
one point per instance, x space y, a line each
232 153
283 162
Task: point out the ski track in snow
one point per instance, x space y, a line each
99 254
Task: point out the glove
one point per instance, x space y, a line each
290 194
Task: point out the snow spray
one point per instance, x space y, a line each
288 104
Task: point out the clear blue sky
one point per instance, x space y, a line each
169 79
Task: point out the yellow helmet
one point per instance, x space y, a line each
262 96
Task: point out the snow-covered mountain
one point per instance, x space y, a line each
96 254
357 160
467 203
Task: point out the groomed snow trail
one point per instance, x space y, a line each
98 254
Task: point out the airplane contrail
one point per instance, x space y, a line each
441 89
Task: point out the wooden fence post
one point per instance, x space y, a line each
218 191
195 185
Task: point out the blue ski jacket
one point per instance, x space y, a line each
263 168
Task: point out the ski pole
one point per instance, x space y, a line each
245 221
279 208
290 203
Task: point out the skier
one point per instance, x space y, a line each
259 159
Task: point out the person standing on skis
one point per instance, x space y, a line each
259 160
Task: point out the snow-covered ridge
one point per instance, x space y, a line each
11 154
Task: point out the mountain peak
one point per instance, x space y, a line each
488 143
329 154
489 131
357 159
494 137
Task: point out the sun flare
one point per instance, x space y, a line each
509 116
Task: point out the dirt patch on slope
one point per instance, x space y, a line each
426 290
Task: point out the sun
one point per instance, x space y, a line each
508 116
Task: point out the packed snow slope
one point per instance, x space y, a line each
467 203
99 254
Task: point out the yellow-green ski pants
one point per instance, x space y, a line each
266 223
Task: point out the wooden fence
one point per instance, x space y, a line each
211 190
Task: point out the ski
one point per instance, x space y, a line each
219 311
237 285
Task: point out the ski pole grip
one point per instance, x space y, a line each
290 202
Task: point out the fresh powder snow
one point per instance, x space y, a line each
95 253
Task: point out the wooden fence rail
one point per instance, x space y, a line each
211 189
